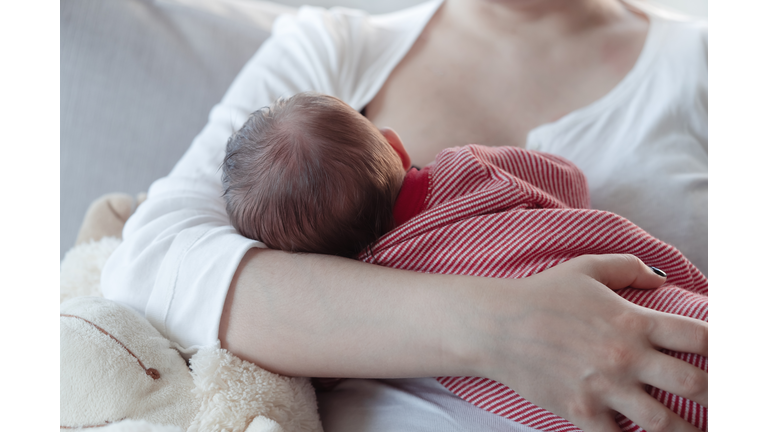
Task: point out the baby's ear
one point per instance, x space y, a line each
397 144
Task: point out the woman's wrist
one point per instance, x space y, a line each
485 313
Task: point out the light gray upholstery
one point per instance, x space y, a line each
137 81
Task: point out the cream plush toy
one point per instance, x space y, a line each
118 373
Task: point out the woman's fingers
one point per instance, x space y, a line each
676 376
618 271
651 415
678 333
672 332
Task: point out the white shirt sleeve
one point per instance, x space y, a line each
179 251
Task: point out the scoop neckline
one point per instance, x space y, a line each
618 92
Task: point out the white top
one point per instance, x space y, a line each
643 148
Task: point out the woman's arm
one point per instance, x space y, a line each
561 338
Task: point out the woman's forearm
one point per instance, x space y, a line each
560 338
324 316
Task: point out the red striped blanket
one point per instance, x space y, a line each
511 213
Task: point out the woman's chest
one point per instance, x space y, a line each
448 92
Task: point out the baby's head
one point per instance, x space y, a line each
311 174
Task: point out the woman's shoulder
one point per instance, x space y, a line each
680 30
676 50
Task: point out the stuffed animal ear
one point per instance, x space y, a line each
116 366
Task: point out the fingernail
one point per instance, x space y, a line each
658 272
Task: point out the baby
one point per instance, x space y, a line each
310 174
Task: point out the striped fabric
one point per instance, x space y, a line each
511 213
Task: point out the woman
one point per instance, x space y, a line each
615 89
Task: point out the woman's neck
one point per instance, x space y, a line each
535 19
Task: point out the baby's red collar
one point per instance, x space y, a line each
411 200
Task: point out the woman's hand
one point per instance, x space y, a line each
577 349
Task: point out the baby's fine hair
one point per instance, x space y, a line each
311 174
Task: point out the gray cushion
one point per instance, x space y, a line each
137 81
